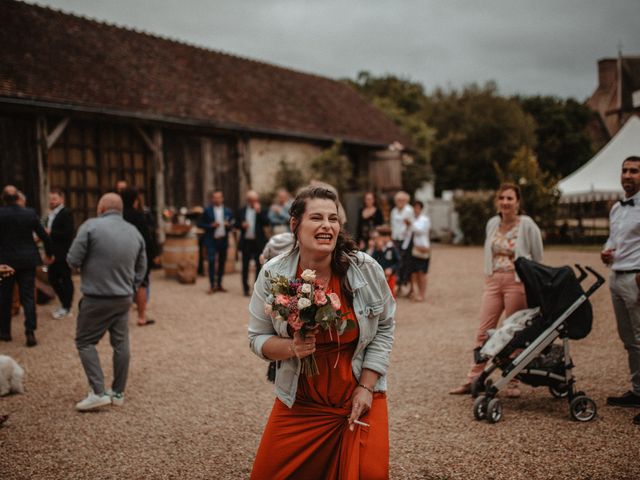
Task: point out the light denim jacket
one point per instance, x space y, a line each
374 307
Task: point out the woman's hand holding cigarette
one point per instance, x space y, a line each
362 398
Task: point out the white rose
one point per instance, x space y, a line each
303 303
309 275
306 288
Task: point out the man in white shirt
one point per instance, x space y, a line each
60 227
622 254
250 222
401 219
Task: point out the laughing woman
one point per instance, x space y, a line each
332 425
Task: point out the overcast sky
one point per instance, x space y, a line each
537 46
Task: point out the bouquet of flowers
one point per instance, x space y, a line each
304 304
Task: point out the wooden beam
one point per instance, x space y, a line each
158 163
43 164
150 143
244 165
206 148
53 137
189 169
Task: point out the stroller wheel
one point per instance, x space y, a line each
480 407
494 410
583 409
559 390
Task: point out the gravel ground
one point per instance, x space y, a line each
197 399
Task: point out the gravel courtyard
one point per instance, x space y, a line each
197 398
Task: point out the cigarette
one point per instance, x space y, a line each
362 424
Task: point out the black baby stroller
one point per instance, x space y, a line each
565 312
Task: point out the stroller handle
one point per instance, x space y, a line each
596 285
583 274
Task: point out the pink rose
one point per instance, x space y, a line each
319 297
282 300
268 309
335 300
294 321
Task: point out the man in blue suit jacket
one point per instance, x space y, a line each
217 222
19 251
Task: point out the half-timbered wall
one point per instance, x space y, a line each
195 165
88 160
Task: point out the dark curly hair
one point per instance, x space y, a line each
345 246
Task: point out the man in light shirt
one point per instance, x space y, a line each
622 254
401 219
250 222
216 221
60 227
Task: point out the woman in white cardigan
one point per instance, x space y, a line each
510 235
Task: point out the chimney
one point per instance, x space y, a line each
607 73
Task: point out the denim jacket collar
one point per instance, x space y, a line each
354 275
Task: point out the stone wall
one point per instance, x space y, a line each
265 156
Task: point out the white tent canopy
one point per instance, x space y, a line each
599 178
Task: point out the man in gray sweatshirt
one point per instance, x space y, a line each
110 254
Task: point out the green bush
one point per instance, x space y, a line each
474 210
289 177
332 167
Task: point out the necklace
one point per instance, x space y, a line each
324 281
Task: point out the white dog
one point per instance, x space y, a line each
10 376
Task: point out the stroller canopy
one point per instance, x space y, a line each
554 290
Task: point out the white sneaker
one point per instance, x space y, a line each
93 401
61 313
117 399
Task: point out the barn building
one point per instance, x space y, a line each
84 103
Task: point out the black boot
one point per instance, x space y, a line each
31 338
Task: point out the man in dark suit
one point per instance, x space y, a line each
216 221
19 251
251 222
61 229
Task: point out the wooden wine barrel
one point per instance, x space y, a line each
177 249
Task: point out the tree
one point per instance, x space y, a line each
476 128
561 130
408 96
332 167
403 101
540 196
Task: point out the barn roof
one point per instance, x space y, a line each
52 58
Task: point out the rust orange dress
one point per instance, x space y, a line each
312 440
